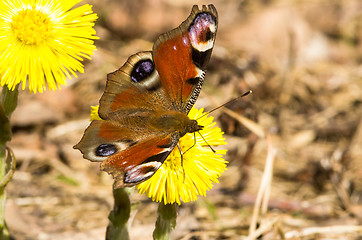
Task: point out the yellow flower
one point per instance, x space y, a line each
94 113
173 182
43 42
201 167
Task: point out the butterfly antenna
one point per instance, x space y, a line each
223 105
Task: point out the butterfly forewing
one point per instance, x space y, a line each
182 55
133 90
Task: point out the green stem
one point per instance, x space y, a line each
3 231
166 221
9 99
118 217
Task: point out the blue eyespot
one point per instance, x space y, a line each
142 70
105 150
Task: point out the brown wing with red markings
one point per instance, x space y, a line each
182 54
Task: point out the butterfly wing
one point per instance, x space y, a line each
182 54
130 155
147 87
139 162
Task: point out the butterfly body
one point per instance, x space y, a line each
145 104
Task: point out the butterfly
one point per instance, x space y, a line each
145 103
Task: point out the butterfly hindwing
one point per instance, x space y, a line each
140 161
130 155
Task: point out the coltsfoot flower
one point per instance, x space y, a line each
43 41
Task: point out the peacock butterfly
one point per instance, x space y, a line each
145 104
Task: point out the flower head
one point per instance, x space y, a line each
175 180
43 42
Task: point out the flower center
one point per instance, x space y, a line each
31 26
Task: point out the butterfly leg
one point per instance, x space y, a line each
192 144
182 160
182 153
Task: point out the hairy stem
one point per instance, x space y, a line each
118 217
166 221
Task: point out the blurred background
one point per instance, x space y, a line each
302 60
